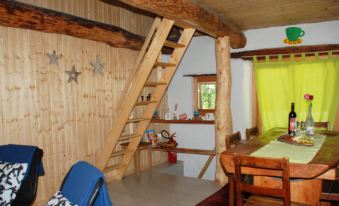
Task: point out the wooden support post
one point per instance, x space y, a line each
223 115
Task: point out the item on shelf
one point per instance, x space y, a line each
149 134
148 98
183 116
142 98
156 115
175 117
197 118
154 140
196 115
209 116
171 143
168 116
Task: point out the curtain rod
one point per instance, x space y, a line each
286 51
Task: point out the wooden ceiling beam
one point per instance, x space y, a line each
187 14
20 15
286 51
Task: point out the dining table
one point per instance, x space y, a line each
309 165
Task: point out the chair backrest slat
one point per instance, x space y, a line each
325 125
267 167
251 132
232 139
263 190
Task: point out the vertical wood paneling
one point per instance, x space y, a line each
39 107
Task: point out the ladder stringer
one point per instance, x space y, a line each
157 94
134 88
141 55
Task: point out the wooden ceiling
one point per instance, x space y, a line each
253 14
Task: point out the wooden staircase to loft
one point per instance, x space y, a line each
146 62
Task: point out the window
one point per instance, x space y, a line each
204 94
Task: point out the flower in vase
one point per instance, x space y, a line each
308 97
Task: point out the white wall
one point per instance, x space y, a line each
316 33
200 58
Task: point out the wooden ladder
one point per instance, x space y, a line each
146 62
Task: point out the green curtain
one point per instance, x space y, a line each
281 82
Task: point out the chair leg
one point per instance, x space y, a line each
231 190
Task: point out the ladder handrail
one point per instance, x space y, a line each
137 82
159 91
141 55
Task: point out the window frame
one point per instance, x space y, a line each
197 80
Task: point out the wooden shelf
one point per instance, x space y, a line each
182 121
186 150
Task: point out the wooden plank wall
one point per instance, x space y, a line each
39 107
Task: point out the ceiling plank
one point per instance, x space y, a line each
20 15
186 13
255 14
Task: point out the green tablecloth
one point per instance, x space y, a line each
295 153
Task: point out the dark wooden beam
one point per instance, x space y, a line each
20 15
187 14
286 51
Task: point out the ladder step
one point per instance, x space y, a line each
128 136
163 64
136 120
113 167
119 153
173 45
145 103
154 84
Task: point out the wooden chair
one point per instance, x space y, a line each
231 140
264 167
331 189
251 132
325 125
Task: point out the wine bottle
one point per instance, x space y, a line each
292 116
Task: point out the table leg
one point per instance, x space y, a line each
231 190
150 159
137 163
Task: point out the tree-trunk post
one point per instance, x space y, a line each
223 115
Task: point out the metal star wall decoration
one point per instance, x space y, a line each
98 66
54 58
73 75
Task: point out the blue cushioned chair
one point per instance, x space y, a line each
84 185
31 155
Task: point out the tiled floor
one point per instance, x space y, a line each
160 189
